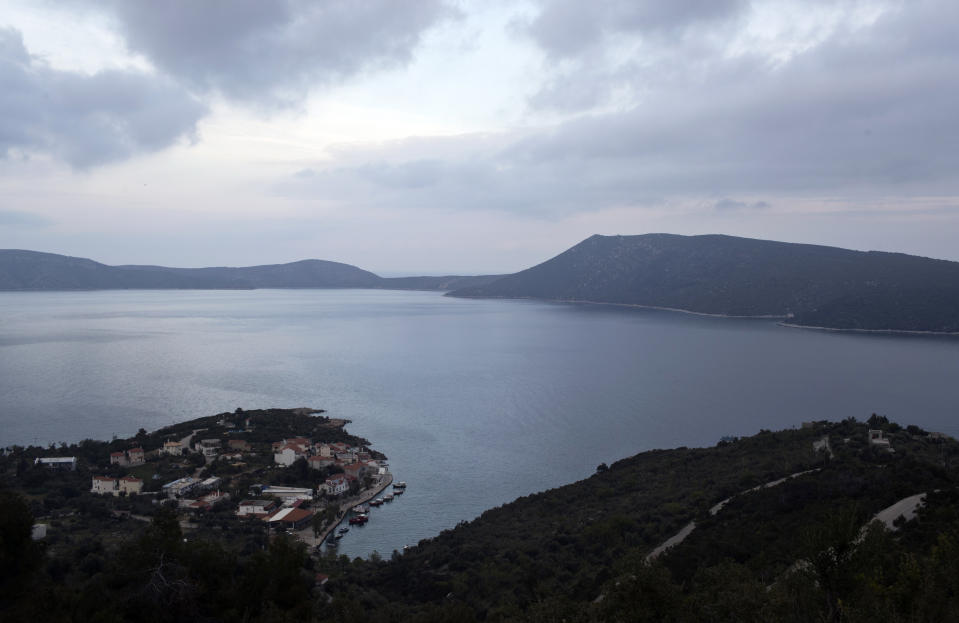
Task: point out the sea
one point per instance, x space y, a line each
475 402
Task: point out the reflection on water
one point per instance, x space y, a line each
475 402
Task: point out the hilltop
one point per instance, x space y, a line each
808 285
32 270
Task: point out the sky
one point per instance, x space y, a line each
452 137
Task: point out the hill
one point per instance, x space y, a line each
808 284
778 528
32 270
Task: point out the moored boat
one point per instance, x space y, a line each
388 497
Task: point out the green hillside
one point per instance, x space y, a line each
800 549
809 285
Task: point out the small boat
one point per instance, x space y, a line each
344 530
399 485
376 502
398 491
360 509
388 497
359 519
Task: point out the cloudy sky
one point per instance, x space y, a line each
437 136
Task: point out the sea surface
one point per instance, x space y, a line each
476 402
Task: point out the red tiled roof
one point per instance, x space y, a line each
116 454
296 515
131 479
104 478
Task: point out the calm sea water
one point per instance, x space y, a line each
475 402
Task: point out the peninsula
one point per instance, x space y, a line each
827 521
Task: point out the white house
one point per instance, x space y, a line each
104 484
285 455
337 484
172 448
209 447
129 485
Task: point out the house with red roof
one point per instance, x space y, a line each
129 485
319 462
337 484
290 518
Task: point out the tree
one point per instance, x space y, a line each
19 555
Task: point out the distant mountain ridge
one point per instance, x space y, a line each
33 270
810 285
806 285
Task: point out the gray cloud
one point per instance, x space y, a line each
17 218
273 51
566 28
865 111
732 204
863 114
87 119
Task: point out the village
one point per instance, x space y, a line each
304 486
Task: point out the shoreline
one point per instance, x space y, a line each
711 315
345 506
790 325
637 305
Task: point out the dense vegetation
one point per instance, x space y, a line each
797 551
812 285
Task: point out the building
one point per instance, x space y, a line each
239 444
136 456
876 439
38 532
290 518
118 458
209 484
172 448
208 447
130 485
180 487
68 463
104 484
337 484
256 508
288 494
356 470
319 462
287 454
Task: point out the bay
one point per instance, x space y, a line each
476 402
